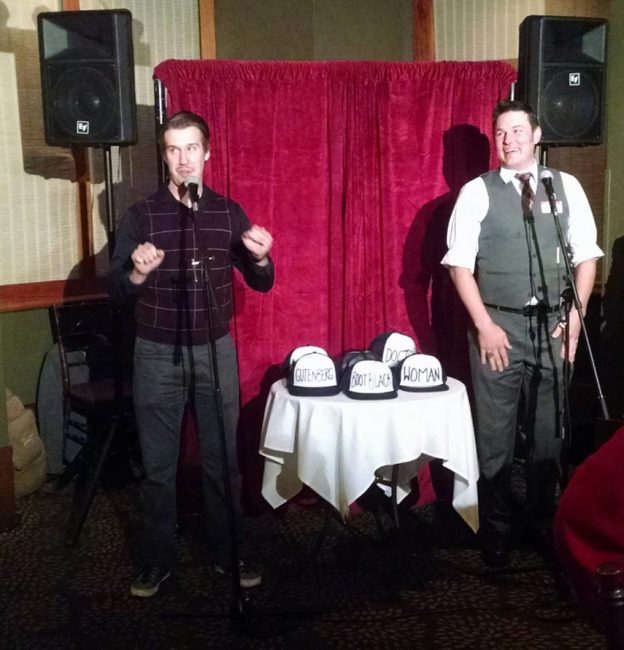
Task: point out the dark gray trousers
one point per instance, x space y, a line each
163 385
534 373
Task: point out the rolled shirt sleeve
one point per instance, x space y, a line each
465 225
582 233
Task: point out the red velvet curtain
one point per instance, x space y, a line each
353 167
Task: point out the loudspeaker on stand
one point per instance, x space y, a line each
87 77
562 74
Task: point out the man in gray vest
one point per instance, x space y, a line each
505 261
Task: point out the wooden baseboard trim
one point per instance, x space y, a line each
18 297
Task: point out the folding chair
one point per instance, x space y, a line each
94 386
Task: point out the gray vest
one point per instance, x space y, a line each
517 259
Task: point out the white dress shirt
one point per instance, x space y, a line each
472 206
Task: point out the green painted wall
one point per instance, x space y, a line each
4 428
314 29
271 29
25 338
363 30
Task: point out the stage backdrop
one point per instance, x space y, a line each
353 167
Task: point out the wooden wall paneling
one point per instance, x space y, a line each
207 32
424 31
586 8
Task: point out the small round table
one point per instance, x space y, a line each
336 445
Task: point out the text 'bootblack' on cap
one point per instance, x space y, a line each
368 379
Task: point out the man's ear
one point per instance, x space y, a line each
537 136
207 155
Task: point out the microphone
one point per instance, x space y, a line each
192 186
546 178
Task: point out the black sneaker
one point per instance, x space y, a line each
148 581
248 577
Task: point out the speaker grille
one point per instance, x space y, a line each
82 102
87 76
570 103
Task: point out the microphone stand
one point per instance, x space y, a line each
567 297
242 620
240 605
571 297
241 617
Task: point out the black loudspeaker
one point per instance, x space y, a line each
87 77
562 74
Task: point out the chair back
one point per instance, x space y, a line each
83 332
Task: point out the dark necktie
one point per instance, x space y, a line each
528 196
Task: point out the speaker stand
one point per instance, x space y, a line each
110 199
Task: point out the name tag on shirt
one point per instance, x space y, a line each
546 207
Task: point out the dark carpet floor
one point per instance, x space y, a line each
425 588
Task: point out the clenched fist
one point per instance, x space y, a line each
145 257
258 242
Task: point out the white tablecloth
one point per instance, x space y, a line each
335 444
